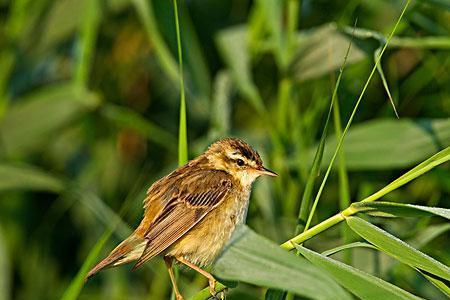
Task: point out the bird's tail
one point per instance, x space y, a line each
127 251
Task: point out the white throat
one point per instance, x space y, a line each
247 178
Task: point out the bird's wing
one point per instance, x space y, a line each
198 194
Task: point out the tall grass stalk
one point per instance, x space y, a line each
318 159
344 188
434 161
355 109
182 130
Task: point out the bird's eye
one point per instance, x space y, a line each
240 162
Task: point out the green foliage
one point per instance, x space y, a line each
363 285
397 248
97 98
253 259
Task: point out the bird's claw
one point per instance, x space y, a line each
212 290
212 287
220 295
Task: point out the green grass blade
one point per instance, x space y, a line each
355 109
75 287
88 35
344 187
362 284
348 246
182 130
397 248
304 222
251 258
385 84
391 209
434 161
5 270
205 294
438 283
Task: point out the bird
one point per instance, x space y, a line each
191 213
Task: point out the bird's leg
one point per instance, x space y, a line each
168 260
212 281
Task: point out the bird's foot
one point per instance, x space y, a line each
220 295
212 290
212 287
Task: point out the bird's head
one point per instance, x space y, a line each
237 158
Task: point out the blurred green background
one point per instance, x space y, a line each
89 106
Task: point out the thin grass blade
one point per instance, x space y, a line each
363 285
315 169
385 84
348 246
182 129
398 249
391 209
76 285
355 109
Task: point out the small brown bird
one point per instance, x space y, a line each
191 213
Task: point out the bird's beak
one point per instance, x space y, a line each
264 171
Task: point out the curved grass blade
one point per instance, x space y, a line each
437 282
315 169
75 287
434 161
392 209
348 246
350 120
385 84
253 259
363 285
398 249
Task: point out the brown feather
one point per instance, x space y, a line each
185 210
180 219
123 253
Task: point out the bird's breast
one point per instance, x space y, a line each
203 243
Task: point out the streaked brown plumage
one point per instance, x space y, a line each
191 213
